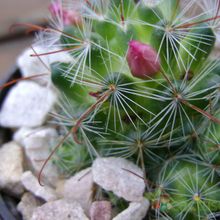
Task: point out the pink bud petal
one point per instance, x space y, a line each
72 17
142 59
55 8
69 17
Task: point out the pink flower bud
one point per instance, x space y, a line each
142 59
69 17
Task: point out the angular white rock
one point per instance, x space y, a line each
30 182
27 205
26 105
136 210
21 134
11 167
59 210
31 66
35 138
79 188
112 174
38 143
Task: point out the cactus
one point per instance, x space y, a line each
142 85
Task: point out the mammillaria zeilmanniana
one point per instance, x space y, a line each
142 85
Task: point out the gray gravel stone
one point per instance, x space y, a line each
30 182
112 174
11 168
59 210
38 143
27 205
79 188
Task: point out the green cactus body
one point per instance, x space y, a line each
122 38
170 9
198 44
105 29
142 85
73 92
149 16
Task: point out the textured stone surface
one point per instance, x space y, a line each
26 105
79 188
30 182
11 167
30 65
112 174
135 211
101 210
59 210
27 205
38 143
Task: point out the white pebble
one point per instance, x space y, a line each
31 66
118 175
27 205
11 167
26 105
37 144
79 188
135 211
59 210
30 182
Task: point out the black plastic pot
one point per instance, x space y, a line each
5 134
8 203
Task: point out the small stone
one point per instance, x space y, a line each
26 105
27 205
59 188
59 210
36 138
21 134
32 66
112 174
136 210
79 188
101 210
30 182
11 168
38 143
